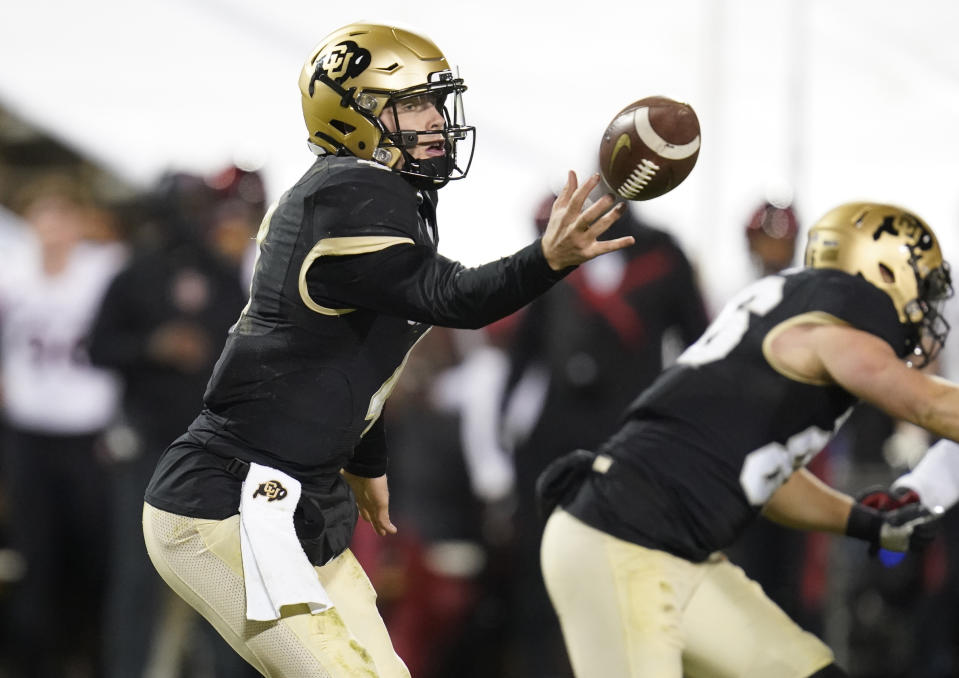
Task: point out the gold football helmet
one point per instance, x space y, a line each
361 70
897 252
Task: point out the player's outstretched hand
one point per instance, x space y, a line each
373 500
571 237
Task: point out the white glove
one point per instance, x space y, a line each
935 478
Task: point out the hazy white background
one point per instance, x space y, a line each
833 100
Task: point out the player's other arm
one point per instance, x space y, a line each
806 503
867 367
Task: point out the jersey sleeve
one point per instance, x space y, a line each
414 282
375 250
370 456
862 305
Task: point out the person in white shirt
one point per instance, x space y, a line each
55 406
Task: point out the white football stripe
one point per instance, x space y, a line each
656 143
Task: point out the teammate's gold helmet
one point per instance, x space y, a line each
358 72
897 252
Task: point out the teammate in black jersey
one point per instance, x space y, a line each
632 556
347 280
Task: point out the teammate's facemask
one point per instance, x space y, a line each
897 252
362 70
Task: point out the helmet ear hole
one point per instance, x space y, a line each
887 275
343 127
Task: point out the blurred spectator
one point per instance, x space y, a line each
581 353
161 326
241 204
771 233
56 406
12 233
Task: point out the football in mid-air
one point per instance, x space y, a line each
649 148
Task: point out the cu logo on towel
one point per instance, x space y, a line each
271 489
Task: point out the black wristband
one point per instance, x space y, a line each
864 523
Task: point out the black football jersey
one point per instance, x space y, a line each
347 280
707 444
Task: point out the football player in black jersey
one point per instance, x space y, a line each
632 553
347 280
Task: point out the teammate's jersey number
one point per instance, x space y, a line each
731 324
765 469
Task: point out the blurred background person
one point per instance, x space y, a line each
12 233
56 406
575 361
161 326
771 233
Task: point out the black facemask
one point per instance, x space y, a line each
428 174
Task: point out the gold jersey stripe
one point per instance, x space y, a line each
813 318
340 247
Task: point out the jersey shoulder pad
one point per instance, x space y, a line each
351 197
853 300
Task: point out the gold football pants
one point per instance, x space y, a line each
200 560
632 612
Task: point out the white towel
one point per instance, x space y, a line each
936 477
275 568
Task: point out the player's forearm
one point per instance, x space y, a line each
869 369
806 503
936 408
475 297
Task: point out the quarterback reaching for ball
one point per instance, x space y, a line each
724 435
249 514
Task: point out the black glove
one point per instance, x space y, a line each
558 483
893 521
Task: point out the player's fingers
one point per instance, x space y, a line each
578 197
602 224
600 209
568 188
383 524
606 246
